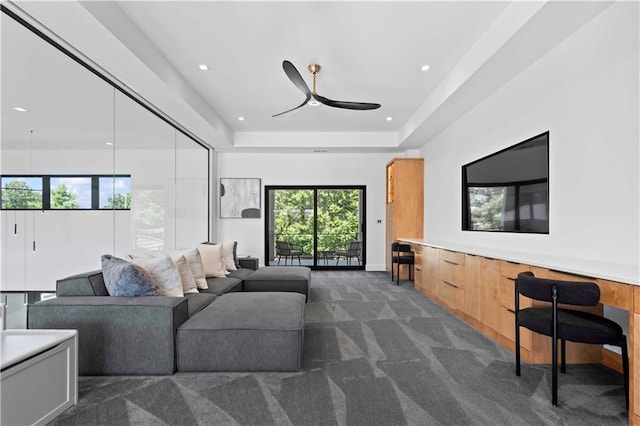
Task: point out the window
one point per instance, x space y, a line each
89 192
21 193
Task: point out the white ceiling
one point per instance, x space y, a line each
369 52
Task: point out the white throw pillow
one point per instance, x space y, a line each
227 256
212 260
164 273
195 263
186 276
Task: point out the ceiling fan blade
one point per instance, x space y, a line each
344 104
296 78
293 109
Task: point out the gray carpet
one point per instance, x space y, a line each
375 354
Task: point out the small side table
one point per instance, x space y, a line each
39 375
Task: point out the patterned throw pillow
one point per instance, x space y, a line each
123 278
164 273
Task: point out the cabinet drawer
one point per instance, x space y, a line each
511 269
451 272
508 328
507 294
417 248
451 295
452 256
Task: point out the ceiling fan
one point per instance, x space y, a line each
295 77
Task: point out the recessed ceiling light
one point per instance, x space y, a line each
203 67
389 118
313 102
109 143
240 118
425 68
20 109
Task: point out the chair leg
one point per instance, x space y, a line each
299 263
398 274
554 372
392 271
517 349
279 257
563 355
625 369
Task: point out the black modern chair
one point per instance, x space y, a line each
401 254
287 250
353 249
565 324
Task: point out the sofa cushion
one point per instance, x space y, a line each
279 278
220 286
86 284
244 332
124 278
198 301
241 273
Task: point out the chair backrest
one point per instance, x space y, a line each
568 292
400 247
353 248
283 248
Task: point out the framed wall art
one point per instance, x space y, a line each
240 198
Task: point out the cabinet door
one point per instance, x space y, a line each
473 287
418 274
430 271
490 282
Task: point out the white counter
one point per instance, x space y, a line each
623 273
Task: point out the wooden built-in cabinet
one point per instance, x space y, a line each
481 291
405 205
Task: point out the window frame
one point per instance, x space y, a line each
46 190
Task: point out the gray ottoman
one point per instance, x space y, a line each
244 332
279 278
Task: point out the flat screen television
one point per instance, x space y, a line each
508 191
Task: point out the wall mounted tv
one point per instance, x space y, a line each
508 191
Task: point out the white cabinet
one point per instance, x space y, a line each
39 377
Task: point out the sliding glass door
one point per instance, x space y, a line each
317 226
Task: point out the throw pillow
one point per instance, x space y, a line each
212 260
186 276
235 252
195 263
125 279
227 256
164 273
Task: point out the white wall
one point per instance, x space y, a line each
585 92
307 169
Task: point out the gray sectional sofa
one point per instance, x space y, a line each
220 329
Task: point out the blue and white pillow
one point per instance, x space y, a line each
125 279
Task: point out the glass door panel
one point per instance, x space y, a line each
293 218
320 227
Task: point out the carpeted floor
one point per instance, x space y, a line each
375 354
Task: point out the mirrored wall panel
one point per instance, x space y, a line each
86 170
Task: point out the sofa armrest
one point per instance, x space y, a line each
249 263
116 335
